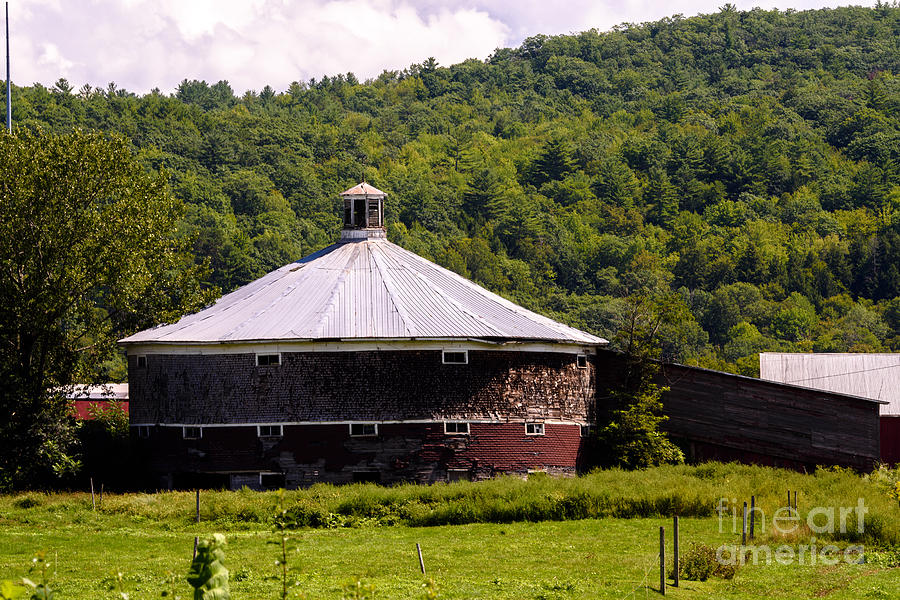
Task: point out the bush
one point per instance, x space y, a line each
700 563
29 501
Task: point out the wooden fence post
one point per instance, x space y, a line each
744 527
421 561
198 505
662 561
675 551
93 504
752 509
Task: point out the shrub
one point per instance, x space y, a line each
700 563
29 501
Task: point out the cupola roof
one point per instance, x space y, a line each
363 189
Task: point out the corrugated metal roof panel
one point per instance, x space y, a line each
364 289
875 376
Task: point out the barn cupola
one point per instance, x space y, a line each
363 212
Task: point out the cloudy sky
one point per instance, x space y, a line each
142 44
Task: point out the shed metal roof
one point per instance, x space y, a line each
875 376
361 289
98 391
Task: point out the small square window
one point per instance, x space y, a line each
271 481
455 357
459 475
534 428
363 429
268 360
192 433
366 476
585 431
581 361
269 431
456 428
143 431
140 361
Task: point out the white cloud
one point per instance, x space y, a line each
141 44
195 18
52 59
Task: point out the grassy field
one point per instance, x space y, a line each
148 538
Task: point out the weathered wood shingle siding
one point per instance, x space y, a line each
362 386
409 394
715 415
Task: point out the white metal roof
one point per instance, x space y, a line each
363 288
875 376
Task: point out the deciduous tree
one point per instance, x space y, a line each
88 251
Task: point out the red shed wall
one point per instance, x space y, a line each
82 408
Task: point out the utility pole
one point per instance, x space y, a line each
8 85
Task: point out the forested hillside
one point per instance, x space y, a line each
745 163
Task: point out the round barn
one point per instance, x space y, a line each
360 362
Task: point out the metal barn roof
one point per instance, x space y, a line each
875 376
365 288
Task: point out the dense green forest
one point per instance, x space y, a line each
746 164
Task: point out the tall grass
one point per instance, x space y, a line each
689 491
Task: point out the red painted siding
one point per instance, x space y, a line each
81 408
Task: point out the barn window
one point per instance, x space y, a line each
363 429
271 481
143 431
192 433
456 357
459 475
534 429
141 361
456 428
269 431
366 476
585 431
268 360
581 361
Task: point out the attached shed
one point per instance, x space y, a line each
720 416
85 396
361 362
874 375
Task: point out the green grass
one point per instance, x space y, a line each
596 558
543 554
